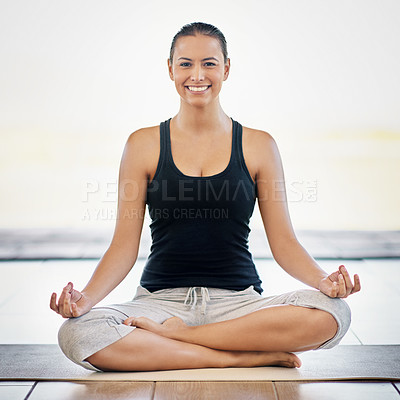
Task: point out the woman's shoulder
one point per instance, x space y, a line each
143 146
260 151
145 133
144 138
257 137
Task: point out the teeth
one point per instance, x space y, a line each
197 89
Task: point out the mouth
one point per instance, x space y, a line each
198 89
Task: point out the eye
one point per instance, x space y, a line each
184 64
210 64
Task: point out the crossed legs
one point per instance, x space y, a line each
142 350
263 337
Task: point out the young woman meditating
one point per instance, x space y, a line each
199 303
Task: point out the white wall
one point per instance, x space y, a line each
321 76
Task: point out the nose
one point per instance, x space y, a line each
197 73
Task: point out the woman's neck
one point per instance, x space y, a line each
201 119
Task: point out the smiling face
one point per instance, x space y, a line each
198 68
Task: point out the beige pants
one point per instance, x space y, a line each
81 337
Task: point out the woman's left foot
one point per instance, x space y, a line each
165 329
174 323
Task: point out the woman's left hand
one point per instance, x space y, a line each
338 284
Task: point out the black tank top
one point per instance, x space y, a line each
200 225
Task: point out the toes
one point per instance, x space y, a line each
297 362
141 322
290 360
144 323
130 321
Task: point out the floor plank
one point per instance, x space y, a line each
387 269
350 338
214 390
93 391
14 392
336 390
82 242
11 272
375 319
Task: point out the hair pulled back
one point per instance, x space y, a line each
200 28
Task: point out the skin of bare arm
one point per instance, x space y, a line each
285 247
121 255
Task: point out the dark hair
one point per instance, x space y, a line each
200 28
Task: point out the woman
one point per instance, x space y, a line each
199 302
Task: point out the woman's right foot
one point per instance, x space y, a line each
266 358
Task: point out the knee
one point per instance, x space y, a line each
68 336
340 311
336 313
86 335
334 321
327 324
344 313
331 318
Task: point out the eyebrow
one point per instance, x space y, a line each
204 59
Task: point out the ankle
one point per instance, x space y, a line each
237 359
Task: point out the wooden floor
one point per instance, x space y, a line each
200 390
26 318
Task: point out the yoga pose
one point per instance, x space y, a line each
199 302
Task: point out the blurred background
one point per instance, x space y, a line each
322 77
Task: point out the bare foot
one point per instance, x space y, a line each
266 358
174 323
165 329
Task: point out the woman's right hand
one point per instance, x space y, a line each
71 303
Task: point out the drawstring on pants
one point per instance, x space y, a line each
192 297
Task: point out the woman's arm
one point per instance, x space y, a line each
285 247
123 250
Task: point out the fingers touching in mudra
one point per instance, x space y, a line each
339 284
72 303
